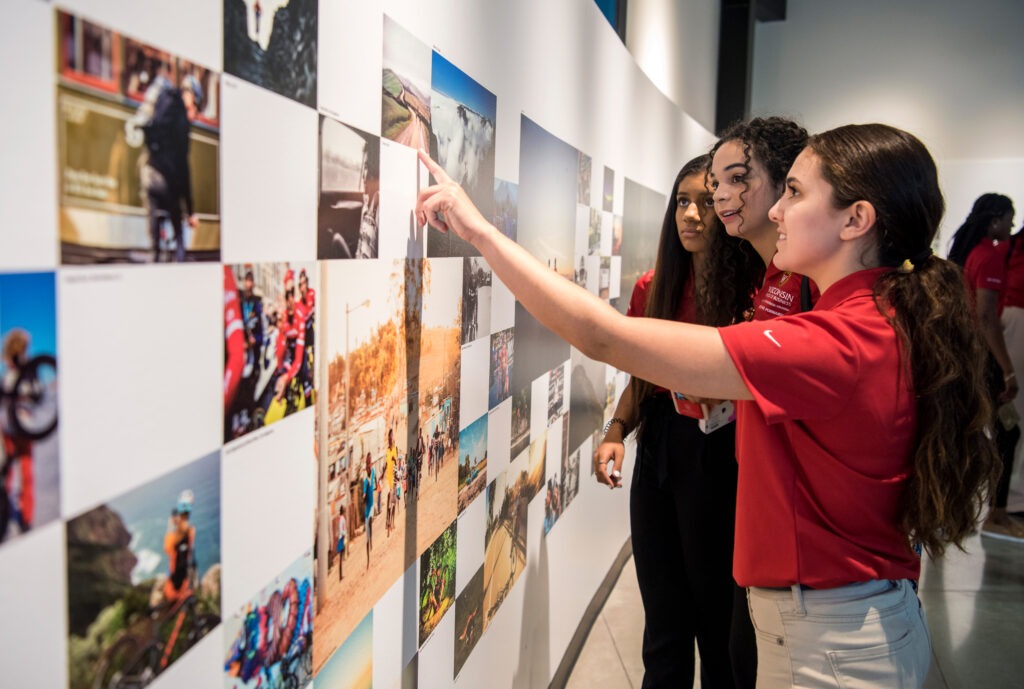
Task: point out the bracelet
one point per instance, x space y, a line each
1006 379
611 422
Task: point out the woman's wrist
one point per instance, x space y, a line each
1012 375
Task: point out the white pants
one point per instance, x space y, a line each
867 635
1013 333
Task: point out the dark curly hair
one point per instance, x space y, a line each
986 208
774 142
955 465
723 288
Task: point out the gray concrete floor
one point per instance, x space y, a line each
974 602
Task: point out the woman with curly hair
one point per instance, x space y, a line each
980 247
683 494
880 389
747 172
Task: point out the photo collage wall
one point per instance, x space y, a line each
367 404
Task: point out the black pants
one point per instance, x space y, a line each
1006 440
682 514
162 203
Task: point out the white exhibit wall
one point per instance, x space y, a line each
675 43
950 72
145 358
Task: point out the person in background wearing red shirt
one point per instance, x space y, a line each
883 455
1013 333
979 246
682 500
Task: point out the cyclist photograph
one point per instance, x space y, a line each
276 317
30 480
148 126
144 587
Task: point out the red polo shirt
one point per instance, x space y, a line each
1014 294
986 268
779 294
638 301
824 447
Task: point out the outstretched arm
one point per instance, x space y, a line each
678 356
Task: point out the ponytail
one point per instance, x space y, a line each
955 465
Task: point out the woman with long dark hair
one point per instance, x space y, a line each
683 494
880 388
980 247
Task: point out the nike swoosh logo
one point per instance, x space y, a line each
768 334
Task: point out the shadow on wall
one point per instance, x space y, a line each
534 668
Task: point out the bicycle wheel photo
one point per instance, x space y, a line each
32 411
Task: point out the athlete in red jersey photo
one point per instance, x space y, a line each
291 339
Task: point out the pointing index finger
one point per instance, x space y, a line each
436 170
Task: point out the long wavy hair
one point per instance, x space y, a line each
955 466
723 289
987 208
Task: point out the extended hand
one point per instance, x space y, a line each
447 207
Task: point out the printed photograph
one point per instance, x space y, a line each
437 581
604 277
144 578
440 365
561 489
581 246
616 235
469 619
351 667
571 476
269 337
609 190
585 179
547 229
348 214
586 397
538 350
476 299
29 453
556 393
594 232
405 106
547 197
553 502
533 473
520 420
506 207
642 212
462 120
472 461
501 367
273 44
138 137
366 454
269 642
505 549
